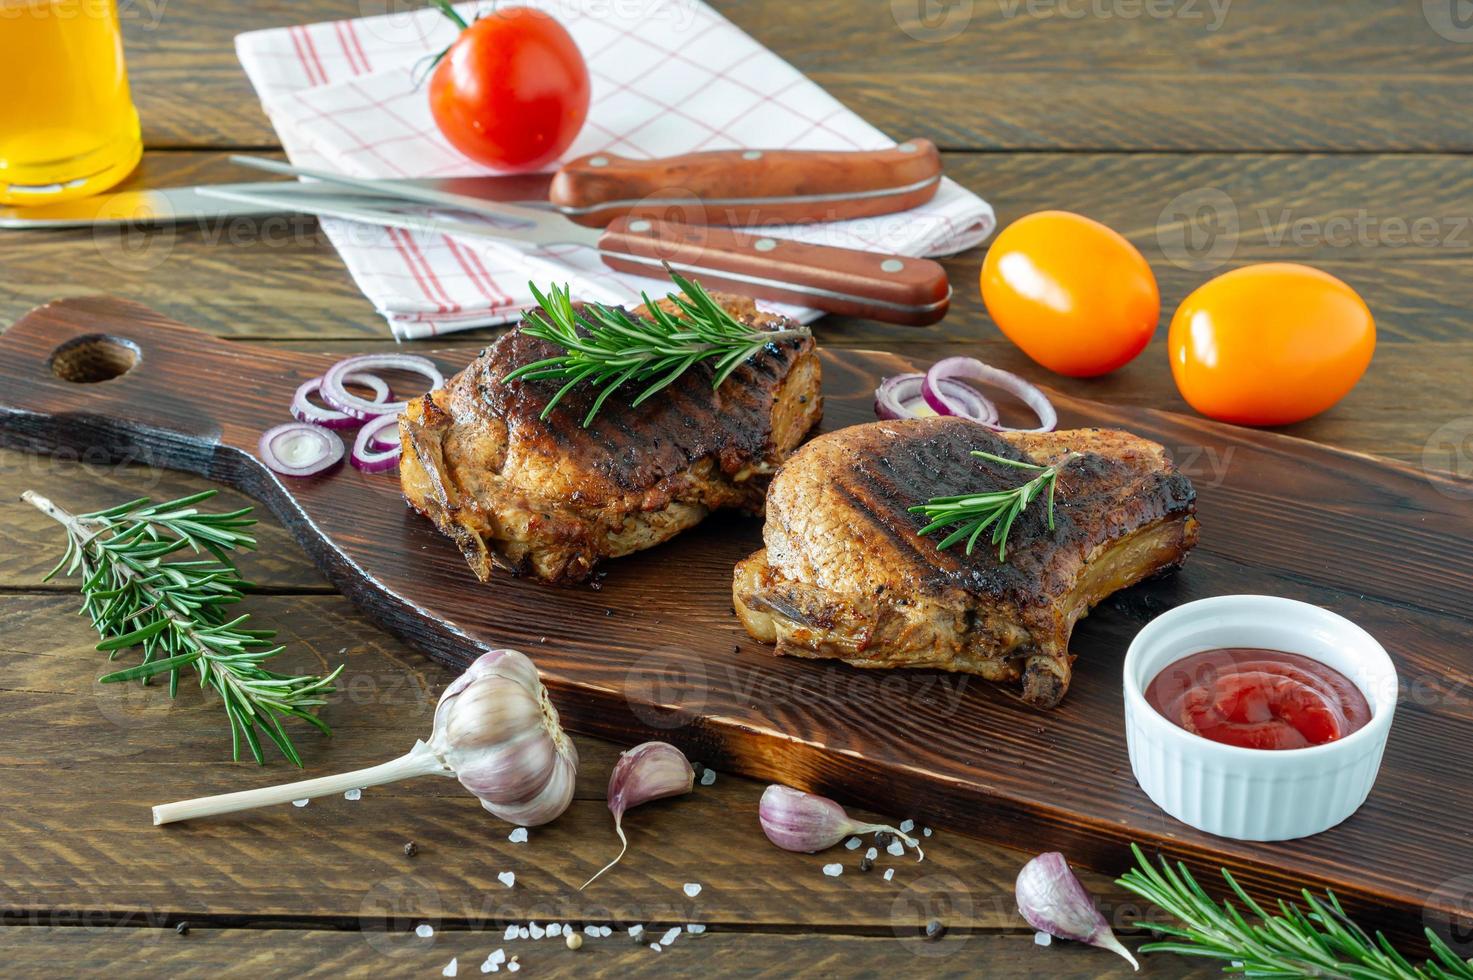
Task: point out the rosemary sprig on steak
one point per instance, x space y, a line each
997 509
607 346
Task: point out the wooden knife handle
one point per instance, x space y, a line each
713 188
889 288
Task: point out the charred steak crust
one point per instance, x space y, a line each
845 573
550 498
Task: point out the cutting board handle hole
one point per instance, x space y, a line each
94 357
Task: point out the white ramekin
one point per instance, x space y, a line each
1256 794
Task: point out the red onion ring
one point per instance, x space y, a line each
383 441
366 458
348 403
900 396
897 395
305 411
971 369
948 396
299 449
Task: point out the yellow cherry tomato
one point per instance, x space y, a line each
1073 294
1270 344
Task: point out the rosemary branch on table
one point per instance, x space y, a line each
996 509
1318 941
607 346
176 611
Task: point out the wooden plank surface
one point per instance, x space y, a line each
979 74
207 952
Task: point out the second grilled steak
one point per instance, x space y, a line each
550 498
846 574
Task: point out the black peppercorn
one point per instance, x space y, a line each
411 849
182 928
935 930
884 838
865 863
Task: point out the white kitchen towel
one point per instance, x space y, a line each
669 76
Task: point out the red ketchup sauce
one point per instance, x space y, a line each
1259 699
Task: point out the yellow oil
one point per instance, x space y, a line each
67 123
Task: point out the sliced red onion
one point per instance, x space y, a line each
367 459
903 397
299 449
306 411
345 401
385 439
961 369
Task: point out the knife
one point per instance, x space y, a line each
740 188
882 287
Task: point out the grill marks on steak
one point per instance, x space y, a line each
845 573
550 498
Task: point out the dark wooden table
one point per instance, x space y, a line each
1211 133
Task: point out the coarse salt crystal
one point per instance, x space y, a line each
507 878
694 928
518 836
636 931
537 931
489 967
511 932
906 826
353 795
896 848
871 853
655 946
1042 939
555 929
451 968
926 831
708 777
852 844
605 931
671 934
513 966
523 932
693 888
300 803
424 930
497 956
889 873
591 931
833 870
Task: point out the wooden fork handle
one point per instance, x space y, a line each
749 188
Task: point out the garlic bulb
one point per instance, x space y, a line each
651 771
495 730
499 733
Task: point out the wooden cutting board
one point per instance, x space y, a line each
656 651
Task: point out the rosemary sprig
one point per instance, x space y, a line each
1320 941
608 346
997 509
176 610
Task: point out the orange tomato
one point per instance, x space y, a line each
1073 294
1270 344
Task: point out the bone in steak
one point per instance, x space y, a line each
551 499
845 574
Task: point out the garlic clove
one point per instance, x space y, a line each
549 801
806 822
651 771
1054 901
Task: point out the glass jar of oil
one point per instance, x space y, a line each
67 123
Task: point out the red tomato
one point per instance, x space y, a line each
512 92
1073 294
1270 344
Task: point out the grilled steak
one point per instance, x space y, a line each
844 573
551 498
